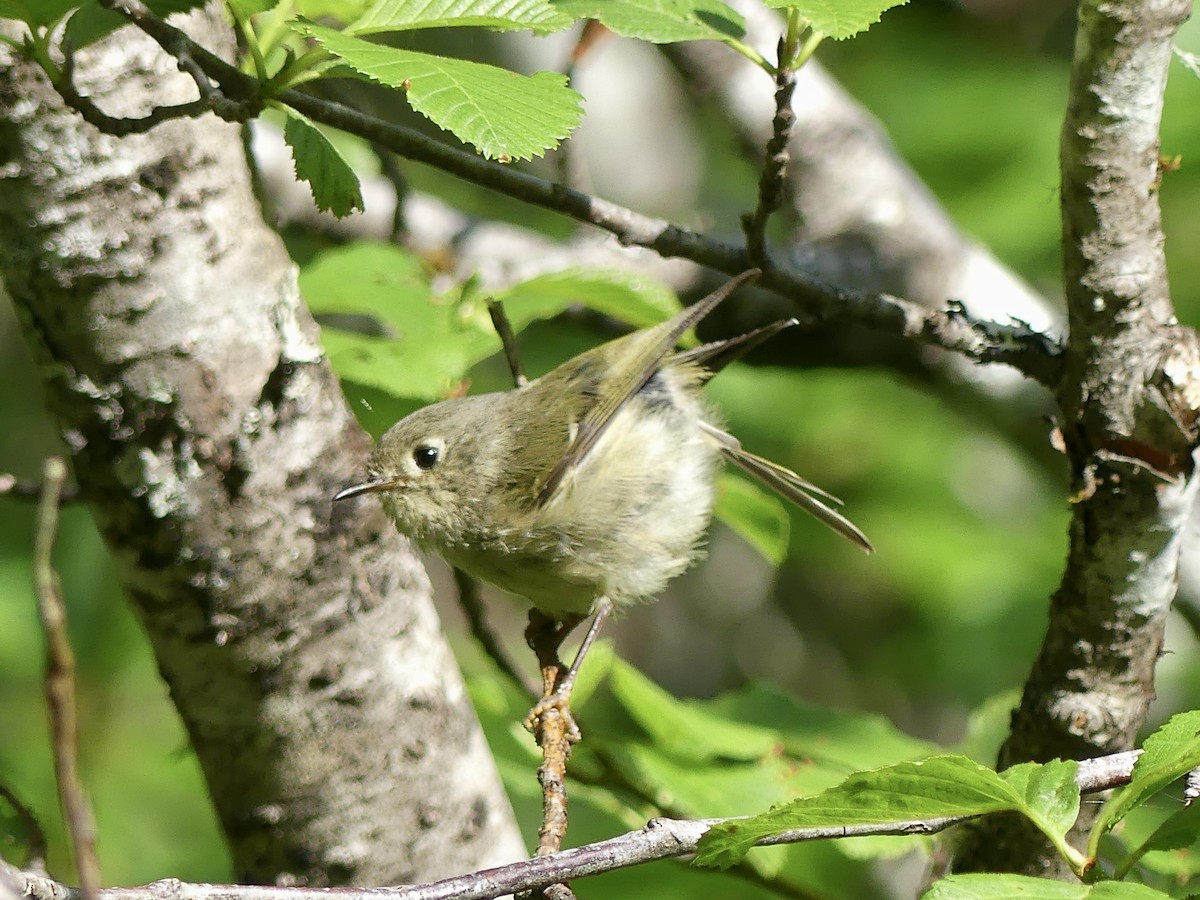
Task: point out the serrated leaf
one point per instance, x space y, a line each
501 15
334 185
839 19
686 729
1026 887
660 21
934 788
1169 753
756 515
500 113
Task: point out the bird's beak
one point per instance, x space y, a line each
367 487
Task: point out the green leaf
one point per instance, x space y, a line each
335 10
660 21
1169 753
500 113
686 729
244 9
1179 832
421 348
839 19
833 741
934 788
1025 887
502 15
92 22
1182 829
335 187
37 13
636 299
758 516
1049 793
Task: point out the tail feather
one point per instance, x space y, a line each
791 486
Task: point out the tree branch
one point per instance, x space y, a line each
859 215
659 839
1129 396
1031 352
299 643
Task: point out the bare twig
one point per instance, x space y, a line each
119 126
237 87
12 486
554 729
659 839
60 683
554 725
36 835
1033 353
472 604
1017 344
505 330
774 170
211 98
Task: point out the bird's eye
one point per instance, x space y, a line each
426 457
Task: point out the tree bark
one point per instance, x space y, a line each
208 435
1129 397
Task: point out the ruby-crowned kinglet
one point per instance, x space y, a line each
595 480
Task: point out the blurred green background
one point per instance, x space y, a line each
970 529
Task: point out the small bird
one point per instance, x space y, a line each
591 486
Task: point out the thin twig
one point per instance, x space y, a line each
659 839
60 683
390 169
119 126
774 170
1031 352
554 729
12 486
35 835
508 339
472 604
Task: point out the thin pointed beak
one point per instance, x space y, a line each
367 487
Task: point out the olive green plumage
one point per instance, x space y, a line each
595 480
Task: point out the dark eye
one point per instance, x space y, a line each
426 457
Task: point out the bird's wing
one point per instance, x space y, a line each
627 365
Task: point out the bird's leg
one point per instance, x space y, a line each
566 684
552 723
545 636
